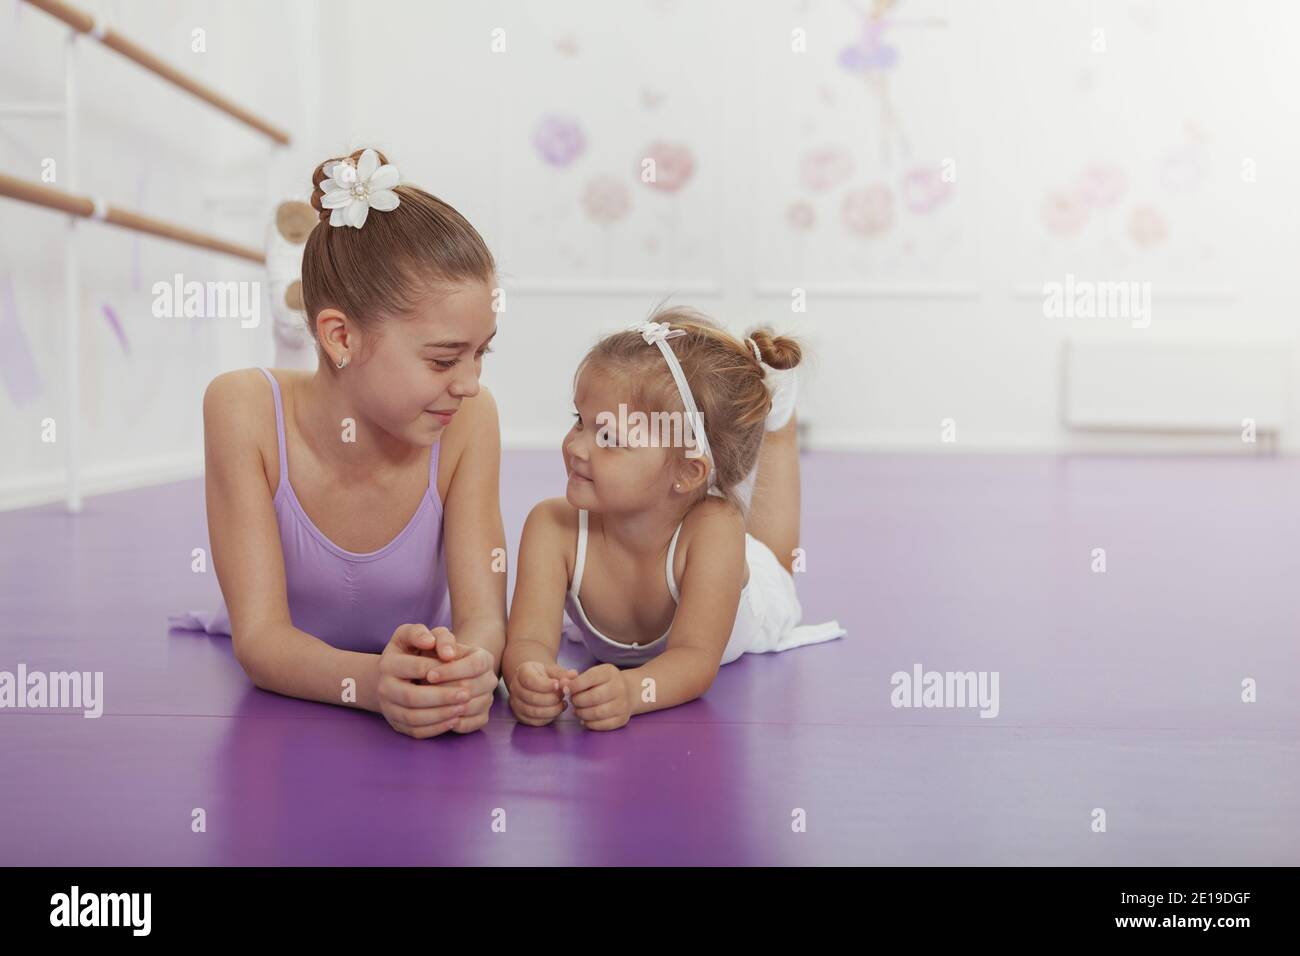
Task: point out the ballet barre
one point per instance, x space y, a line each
77 207
83 22
87 208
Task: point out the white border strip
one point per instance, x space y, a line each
1169 292
870 290
707 287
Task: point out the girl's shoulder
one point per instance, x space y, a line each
553 517
714 525
246 389
715 514
239 416
240 403
477 420
551 533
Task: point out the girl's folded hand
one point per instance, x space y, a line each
410 705
464 667
601 698
537 692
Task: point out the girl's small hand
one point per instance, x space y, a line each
537 692
601 698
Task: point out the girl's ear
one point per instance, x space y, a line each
333 332
692 473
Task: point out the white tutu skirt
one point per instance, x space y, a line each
770 617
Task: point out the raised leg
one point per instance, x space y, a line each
774 510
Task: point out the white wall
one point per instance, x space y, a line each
939 316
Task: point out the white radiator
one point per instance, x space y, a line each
1175 386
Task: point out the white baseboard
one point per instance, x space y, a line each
31 490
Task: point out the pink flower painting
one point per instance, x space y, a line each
924 189
800 216
825 167
1147 226
1101 186
606 200
1064 212
674 165
868 211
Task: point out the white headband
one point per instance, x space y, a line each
655 333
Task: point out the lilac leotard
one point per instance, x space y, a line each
352 601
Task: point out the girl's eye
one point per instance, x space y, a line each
577 420
448 364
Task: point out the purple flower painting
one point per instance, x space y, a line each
559 140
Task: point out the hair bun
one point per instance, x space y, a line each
778 351
319 176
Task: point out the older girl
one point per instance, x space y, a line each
353 512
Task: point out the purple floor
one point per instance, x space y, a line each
1119 690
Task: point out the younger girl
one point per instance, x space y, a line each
670 561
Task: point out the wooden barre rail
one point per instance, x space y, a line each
84 207
85 23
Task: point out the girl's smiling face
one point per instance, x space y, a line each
606 474
420 369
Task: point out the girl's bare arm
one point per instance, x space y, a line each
246 554
475 539
537 612
710 595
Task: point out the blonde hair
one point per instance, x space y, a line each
725 377
387 266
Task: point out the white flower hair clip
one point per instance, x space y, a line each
352 191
